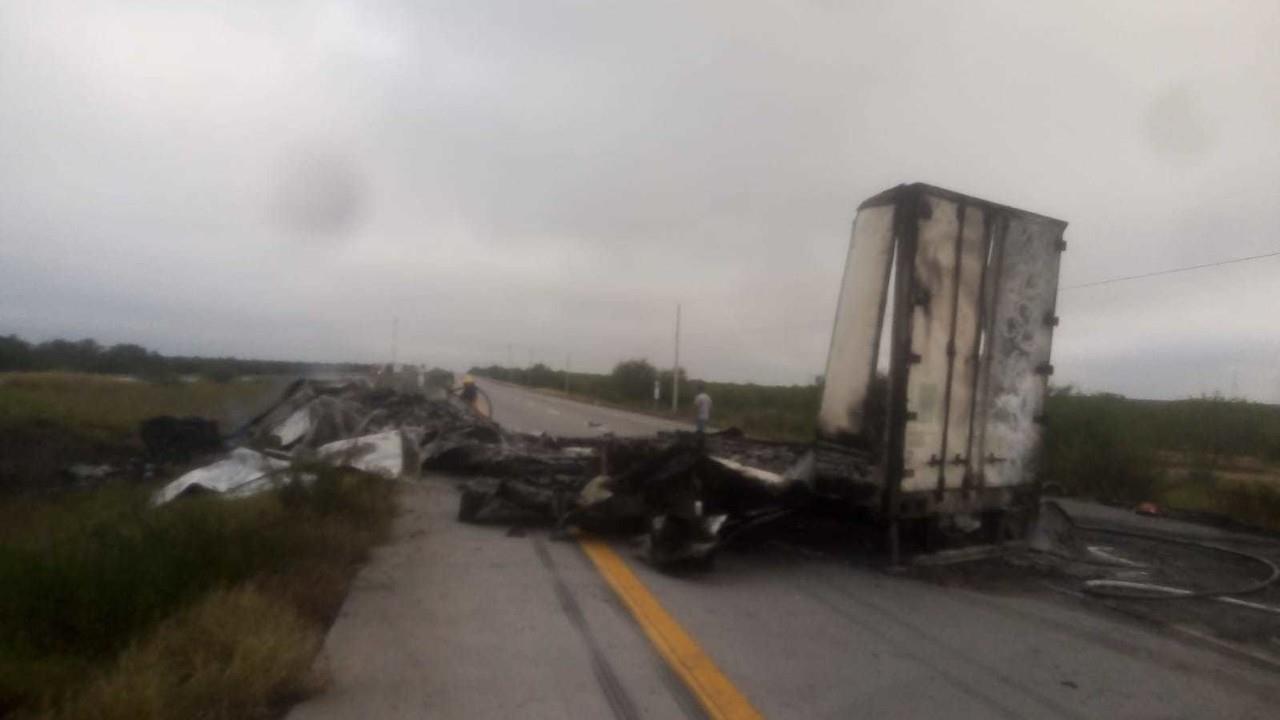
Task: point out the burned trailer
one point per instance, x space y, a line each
952 433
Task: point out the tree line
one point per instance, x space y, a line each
88 356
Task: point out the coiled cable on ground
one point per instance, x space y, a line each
1149 591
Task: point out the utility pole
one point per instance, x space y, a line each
567 358
510 358
675 368
395 331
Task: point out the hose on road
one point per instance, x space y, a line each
1129 589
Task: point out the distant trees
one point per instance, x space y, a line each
686 387
540 375
633 379
438 378
15 354
88 356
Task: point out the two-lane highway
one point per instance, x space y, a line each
523 410
453 620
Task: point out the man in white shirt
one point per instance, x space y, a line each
702 403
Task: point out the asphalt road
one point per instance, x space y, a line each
461 621
526 411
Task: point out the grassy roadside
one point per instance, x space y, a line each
212 608
111 608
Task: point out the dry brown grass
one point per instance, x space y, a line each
237 654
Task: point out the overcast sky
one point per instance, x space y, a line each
280 179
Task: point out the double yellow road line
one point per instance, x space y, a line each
719 697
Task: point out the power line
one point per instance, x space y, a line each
1171 271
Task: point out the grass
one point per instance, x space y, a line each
49 420
237 653
110 408
109 604
205 607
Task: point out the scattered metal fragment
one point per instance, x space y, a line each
85 473
242 473
350 424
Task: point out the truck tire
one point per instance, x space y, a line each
470 504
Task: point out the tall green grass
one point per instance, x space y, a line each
236 654
84 576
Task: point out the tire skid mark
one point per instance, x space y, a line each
679 691
624 708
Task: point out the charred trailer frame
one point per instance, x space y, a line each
970 288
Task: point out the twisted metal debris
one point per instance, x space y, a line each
683 493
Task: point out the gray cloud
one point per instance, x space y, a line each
280 179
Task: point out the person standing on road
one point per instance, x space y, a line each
469 391
702 403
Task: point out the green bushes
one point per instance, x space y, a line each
1184 454
1093 448
633 380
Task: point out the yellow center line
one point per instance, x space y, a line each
718 696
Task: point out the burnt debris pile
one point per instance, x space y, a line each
351 424
685 494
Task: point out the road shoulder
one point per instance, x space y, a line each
457 620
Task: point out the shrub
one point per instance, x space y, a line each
1091 450
633 379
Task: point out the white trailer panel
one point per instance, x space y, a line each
972 323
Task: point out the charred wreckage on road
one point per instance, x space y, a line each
685 493
946 437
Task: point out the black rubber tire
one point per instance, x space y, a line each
470 504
